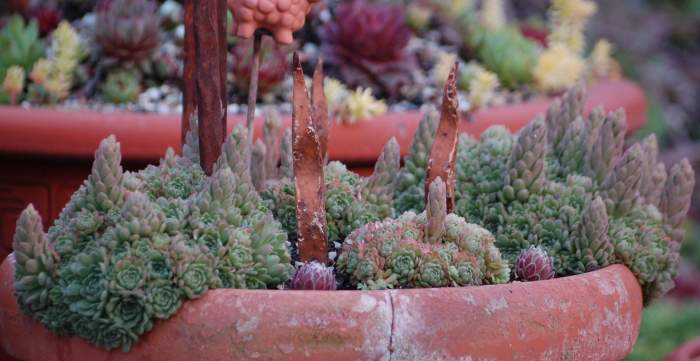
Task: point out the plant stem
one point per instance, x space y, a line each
253 86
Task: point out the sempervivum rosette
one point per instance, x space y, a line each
533 264
367 43
127 30
314 276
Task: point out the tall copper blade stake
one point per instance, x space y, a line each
308 174
444 150
211 108
318 99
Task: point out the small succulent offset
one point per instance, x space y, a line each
567 185
533 264
431 249
507 53
121 87
367 43
314 276
130 248
128 30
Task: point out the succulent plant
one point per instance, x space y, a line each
314 276
273 65
567 22
128 30
131 248
567 185
47 16
367 43
410 182
507 53
558 68
350 201
121 87
431 249
53 78
13 85
533 264
359 105
21 45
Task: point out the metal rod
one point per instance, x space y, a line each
253 86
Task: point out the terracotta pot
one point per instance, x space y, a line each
46 154
689 351
594 316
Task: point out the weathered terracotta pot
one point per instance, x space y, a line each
46 154
594 316
689 351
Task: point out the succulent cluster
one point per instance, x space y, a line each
121 87
350 200
431 249
130 248
367 44
128 30
566 184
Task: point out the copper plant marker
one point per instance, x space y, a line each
318 99
308 174
444 150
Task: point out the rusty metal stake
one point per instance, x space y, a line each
308 174
318 99
211 90
444 150
253 85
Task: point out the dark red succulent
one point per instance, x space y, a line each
47 16
273 65
314 276
127 30
367 45
533 264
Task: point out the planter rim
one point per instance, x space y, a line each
518 321
76 133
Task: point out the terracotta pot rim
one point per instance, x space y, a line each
524 321
76 133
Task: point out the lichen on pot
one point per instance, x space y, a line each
130 248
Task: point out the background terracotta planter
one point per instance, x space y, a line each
46 154
548 320
690 351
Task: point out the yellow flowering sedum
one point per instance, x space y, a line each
482 89
601 62
443 66
568 20
558 68
54 76
360 104
335 92
13 85
480 83
40 71
493 15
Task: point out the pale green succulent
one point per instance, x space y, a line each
431 249
130 248
351 201
567 185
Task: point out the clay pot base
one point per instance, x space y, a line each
593 316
